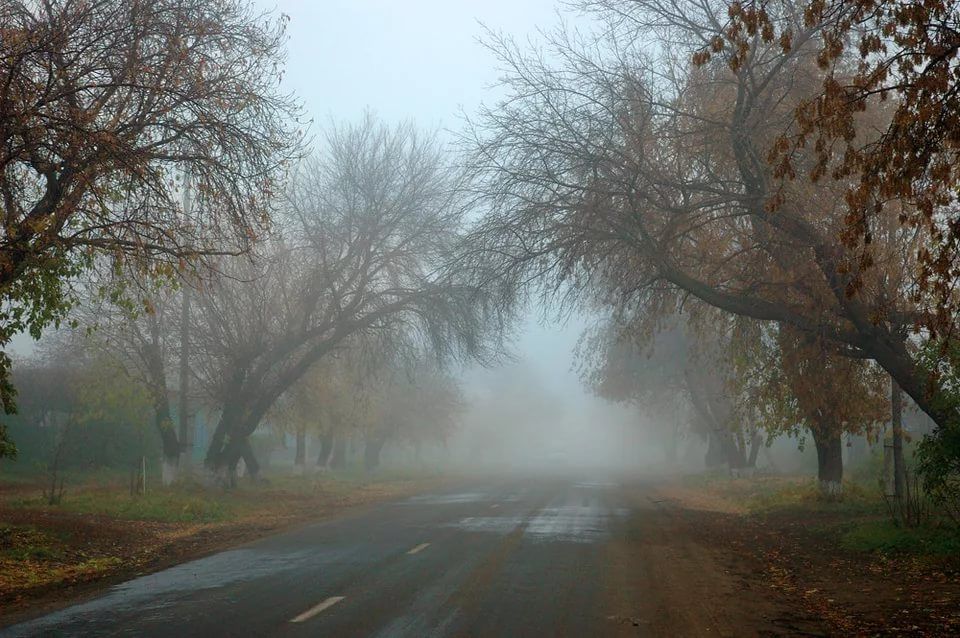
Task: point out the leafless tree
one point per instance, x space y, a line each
618 171
366 249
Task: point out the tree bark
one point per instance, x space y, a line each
714 455
170 445
300 458
736 460
672 446
186 435
239 448
756 442
829 444
326 449
249 459
371 452
714 411
338 459
216 458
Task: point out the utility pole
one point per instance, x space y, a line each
186 432
896 422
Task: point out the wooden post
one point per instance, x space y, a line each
185 431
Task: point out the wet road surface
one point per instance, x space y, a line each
499 557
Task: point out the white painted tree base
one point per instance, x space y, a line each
831 489
168 472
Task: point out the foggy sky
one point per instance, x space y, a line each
421 60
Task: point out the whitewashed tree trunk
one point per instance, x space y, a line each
831 489
169 471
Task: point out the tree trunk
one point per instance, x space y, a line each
714 456
157 383
239 448
168 439
896 422
217 448
732 452
371 452
756 442
715 413
829 444
249 459
300 458
186 435
338 459
673 444
326 449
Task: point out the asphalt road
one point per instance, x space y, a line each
495 557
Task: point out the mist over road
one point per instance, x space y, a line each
575 555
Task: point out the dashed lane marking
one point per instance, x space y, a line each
313 611
419 548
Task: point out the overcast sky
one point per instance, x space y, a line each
417 59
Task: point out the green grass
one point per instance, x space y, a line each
882 536
174 505
772 494
859 522
196 504
343 481
22 473
167 505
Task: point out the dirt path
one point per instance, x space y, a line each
670 578
711 569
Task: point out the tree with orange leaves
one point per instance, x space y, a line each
901 57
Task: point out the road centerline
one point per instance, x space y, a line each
419 548
313 611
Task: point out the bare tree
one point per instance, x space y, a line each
622 172
367 249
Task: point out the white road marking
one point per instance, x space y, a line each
313 611
495 506
419 548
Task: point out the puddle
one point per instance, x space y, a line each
446 499
564 523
